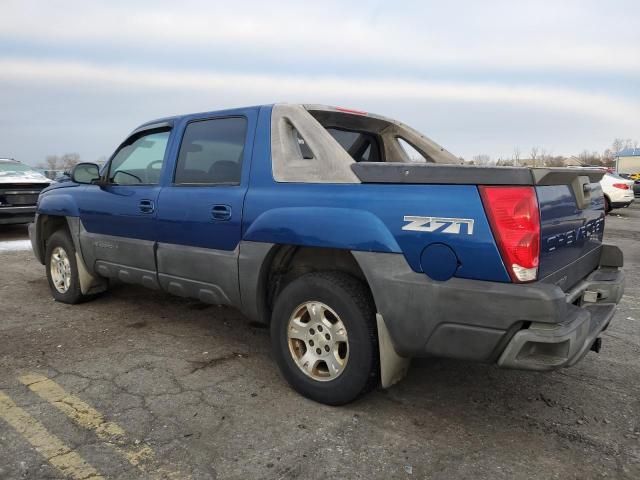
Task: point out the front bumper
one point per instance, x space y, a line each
12 215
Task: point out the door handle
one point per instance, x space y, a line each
146 206
221 212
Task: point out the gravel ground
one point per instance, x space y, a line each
197 385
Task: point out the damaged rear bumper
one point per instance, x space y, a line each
545 346
535 326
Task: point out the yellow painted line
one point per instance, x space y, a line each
142 457
48 445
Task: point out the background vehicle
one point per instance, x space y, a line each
618 191
315 220
636 182
20 186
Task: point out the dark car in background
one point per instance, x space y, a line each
20 186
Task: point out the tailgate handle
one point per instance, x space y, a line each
581 187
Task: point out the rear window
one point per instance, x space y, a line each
361 146
615 175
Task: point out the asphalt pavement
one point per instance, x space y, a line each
138 384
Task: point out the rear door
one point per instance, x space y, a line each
119 229
200 212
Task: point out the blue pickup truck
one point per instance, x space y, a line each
358 240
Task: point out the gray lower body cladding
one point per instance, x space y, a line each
480 321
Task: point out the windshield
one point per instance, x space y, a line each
14 167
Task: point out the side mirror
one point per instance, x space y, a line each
88 173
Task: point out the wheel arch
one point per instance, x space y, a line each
46 225
259 262
607 203
260 282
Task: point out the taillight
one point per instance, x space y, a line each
622 186
515 222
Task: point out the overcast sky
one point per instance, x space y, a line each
476 76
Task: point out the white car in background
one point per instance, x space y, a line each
618 191
20 186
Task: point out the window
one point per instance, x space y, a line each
211 152
11 167
361 146
140 161
413 154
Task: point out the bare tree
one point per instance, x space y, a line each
503 162
516 156
482 159
52 162
544 156
69 160
590 158
554 161
534 155
617 145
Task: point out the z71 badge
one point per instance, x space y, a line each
438 225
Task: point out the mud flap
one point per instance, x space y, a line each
393 367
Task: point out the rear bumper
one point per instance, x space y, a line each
622 204
512 325
550 346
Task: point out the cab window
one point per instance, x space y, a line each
139 162
211 152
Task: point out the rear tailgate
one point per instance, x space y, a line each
571 229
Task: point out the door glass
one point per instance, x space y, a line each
211 152
140 162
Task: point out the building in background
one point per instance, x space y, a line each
628 161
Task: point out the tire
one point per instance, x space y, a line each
607 205
343 307
60 255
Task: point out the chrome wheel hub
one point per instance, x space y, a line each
318 341
60 270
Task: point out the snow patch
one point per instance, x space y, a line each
15 245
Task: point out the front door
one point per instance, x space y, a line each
200 212
118 234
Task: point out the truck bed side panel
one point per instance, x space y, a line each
368 217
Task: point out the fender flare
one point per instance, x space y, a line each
58 205
308 226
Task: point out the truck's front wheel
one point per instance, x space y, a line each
62 269
324 337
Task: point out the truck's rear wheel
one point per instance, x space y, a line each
324 337
62 269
